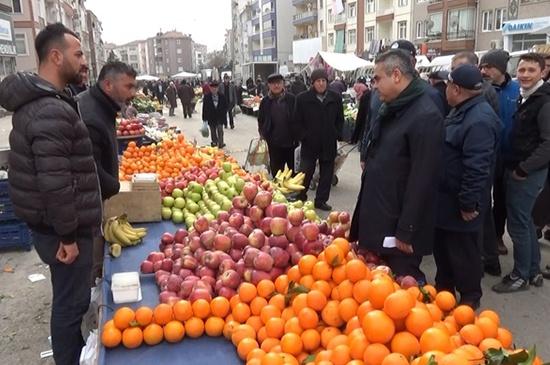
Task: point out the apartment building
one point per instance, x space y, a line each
199 55
8 51
169 53
97 50
515 25
136 54
308 28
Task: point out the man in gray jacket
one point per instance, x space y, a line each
53 181
227 89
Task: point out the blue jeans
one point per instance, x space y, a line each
520 200
71 295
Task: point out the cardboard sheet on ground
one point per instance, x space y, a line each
203 351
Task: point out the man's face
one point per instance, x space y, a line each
458 62
452 92
320 85
387 85
276 87
226 80
214 89
490 72
528 73
121 88
70 59
546 72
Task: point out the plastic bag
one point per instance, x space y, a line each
236 110
204 129
88 356
258 154
297 157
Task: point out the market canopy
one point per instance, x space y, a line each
185 75
339 61
146 78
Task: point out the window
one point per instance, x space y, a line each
369 34
178 41
21 44
402 30
321 3
16 7
434 26
331 39
352 10
500 18
180 69
133 57
369 6
179 60
179 51
402 3
487 21
460 23
419 29
321 27
352 36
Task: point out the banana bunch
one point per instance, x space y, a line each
119 233
287 184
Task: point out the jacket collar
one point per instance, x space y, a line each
458 112
329 96
104 99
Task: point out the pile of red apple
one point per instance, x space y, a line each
198 174
128 127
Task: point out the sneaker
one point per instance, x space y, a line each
537 280
232 127
511 283
492 269
323 206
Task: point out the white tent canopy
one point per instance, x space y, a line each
185 75
146 78
340 61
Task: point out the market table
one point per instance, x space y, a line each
204 350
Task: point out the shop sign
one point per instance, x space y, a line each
8 50
518 27
534 25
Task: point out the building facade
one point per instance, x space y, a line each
135 53
97 50
308 30
169 53
8 51
199 56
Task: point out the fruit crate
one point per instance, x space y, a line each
15 235
6 206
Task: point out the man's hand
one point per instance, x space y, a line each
404 247
469 216
67 253
363 165
515 176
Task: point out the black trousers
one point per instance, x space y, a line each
279 156
403 265
71 295
499 205
458 262
326 171
216 132
488 238
230 117
187 110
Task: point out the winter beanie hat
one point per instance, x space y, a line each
497 58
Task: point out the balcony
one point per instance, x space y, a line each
305 17
298 37
461 34
340 18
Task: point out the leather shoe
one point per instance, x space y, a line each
323 206
492 269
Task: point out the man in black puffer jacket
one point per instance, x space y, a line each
99 105
53 181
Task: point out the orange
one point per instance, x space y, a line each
363 309
331 314
307 281
228 328
352 324
398 304
491 315
340 355
246 346
153 334
214 326
256 305
123 318
194 327
109 324
281 284
337 340
418 321
278 300
132 337
182 310
308 318
247 292
275 327
426 359
265 288
453 359
163 314
347 308
201 308
490 343
464 315
294 274
357 347
269 311
334 255
272 359
111 337
241 312
255 322
261 335
316 299
488 327
323 286
343 244
220 307
378 327
356 270
338 274
287 313
505 337
375 353
471 334
255 354
345 289
435 312
475 355
431 291
379 290
395 359
144 316
299 302
445 300
242 331
311 339
269 343
405 343
174 331
306 264
327 334
292 325
321 271
435 339
291 343
361 290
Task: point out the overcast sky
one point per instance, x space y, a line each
126 20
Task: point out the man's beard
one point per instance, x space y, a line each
71 76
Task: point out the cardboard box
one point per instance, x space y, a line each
141 203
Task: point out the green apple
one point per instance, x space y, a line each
309 205
168 201
232 180
226 205
189 221
227 166
209 217
231 193
179 203
198 189
298 204
177 193
239 184
311 215
166 213
279 198
177 217
193 207
195 197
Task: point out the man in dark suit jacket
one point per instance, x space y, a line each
214 111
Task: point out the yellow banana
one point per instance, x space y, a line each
118 234
284 190
107 234
293 187
131 231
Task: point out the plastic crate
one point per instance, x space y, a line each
15 235
6 206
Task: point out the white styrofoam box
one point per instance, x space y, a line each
144 177
126 287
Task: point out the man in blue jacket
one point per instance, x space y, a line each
472 130
493 67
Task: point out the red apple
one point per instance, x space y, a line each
240 202
278 241
344 218
222 243
146 267
310 231
265 226
249 191
236 220
239 240
296 217
255 213
257 238
201 224
263 199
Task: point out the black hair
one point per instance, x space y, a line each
48 37
533 57
116 68
397 59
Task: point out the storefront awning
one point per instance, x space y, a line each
339 61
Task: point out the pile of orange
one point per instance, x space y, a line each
169 158
329 309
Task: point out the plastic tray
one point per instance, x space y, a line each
15 235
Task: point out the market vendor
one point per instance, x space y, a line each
214 111
116 86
